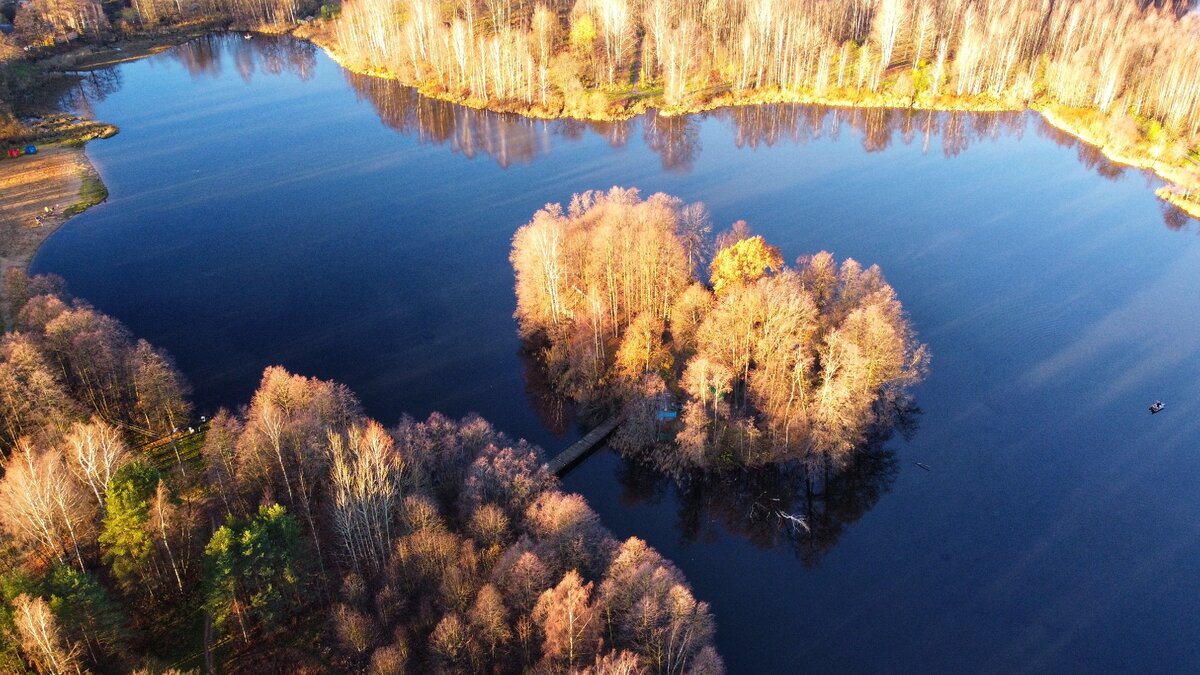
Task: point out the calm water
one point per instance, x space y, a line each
269 208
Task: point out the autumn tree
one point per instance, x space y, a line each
46 20
42 640
33 399
455 548
642 350
366 474
584 276
96 452
744 262
648 605
569 621
219 454
773 365
43 508
160 392
286 429
489 618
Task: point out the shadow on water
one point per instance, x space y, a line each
512 139
556 412
1176 219
788 505
202 57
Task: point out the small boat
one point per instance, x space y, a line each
246 36
1157 406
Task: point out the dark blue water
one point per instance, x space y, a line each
267 208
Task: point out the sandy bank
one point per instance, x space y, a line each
38 193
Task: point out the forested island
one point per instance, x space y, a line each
294 534
763 364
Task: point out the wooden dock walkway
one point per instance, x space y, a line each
584 445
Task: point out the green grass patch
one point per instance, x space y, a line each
92 191
161 453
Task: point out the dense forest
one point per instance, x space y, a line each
1134 62
294 534
763 364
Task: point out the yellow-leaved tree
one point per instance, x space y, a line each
745 262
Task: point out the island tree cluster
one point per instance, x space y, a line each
297 534
766 363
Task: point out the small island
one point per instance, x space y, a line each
763 364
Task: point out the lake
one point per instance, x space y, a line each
269 208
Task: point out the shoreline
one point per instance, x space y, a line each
645 103
1180 199
38 194
1181 182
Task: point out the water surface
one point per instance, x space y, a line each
267 207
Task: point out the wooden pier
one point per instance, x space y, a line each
583 446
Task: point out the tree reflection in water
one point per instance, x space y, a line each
556 412
878 128
90 88
674 138
506 138
204 57
271 56
510 139
1175 218
776 505
1089 155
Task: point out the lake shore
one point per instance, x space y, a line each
59 181
1183 180
38 193
634 103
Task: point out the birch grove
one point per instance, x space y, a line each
772 364
1107 55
